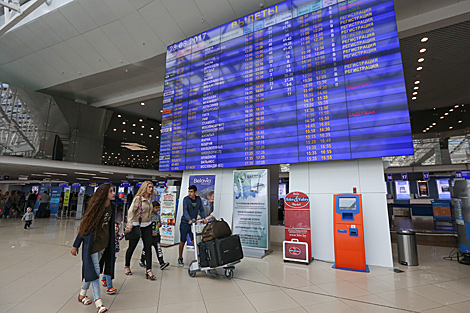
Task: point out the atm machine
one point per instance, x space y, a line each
350 253
461 204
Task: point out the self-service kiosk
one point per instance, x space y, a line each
350 253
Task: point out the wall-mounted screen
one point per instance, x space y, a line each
300 81
347 204
423 190
443 189
402 188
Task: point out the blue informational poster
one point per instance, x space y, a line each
55 199
299 81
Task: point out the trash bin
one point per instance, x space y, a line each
407 249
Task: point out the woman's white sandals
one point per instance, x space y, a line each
83 298
99 306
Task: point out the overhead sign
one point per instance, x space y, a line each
389 177
426 176
404 176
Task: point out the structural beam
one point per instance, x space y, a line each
23 11
11 6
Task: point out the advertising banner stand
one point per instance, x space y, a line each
55 199
298 244
167 214
251 211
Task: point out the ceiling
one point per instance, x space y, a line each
110 53
444 79
35 169
132 141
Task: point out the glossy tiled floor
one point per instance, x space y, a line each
38 274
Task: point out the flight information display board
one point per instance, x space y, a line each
300 81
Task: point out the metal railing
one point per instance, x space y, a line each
19 135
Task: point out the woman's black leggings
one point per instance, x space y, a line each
146 234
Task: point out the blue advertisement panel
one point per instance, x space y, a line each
55 199
205 189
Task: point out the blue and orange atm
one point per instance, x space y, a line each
350 252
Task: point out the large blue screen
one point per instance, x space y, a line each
300 81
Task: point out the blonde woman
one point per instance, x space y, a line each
139 216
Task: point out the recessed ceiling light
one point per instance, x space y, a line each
133 133
422 50
421 60
124 131
419 68
141 134
119 115
414 98
123 123
416 88
442 117
424 39
434 123
114 129
150 136
430 126
80 178
51 173
460 121
133 125
157 136
450 127
447 113
451 110
81 173
417 82
427 128
143 126
424 131
141 120
151 128
111 173
456 106
98 177
142 103
415 93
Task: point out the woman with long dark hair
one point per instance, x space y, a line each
139 215
96 231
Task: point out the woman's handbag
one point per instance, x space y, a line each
135 232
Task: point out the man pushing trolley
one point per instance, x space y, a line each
214 247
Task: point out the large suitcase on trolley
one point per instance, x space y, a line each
223 251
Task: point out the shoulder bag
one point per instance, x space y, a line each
216 230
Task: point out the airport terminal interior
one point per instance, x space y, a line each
317 150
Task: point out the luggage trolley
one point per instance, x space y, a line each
194 267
